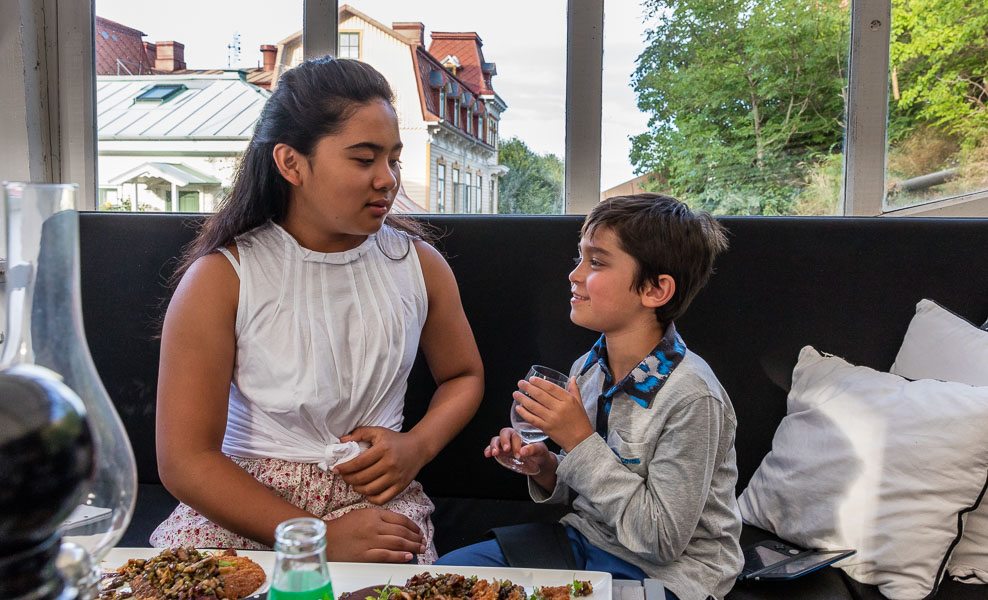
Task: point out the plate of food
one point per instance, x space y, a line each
360 581
133 573
172 573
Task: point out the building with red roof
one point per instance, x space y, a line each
169 138
448 111
121 50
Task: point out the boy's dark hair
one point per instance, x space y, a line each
664 237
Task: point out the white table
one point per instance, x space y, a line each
352 576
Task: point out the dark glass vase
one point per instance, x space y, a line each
44 328
46 461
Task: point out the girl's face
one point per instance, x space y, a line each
349 182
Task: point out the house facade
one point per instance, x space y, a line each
448 112
169 138
172 142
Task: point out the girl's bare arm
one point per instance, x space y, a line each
451 351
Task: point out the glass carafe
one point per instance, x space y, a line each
44 327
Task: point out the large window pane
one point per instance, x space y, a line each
938 118
743 102
481 93
177 94
625 28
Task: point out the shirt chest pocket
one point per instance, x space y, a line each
633 455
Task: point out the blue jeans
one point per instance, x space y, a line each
588 558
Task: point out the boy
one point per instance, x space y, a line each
651 481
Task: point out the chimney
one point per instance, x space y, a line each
150 55
269 53
170 56
413 32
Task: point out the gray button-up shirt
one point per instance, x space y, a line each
659 491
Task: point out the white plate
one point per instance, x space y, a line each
349 577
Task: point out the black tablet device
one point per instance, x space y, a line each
771 560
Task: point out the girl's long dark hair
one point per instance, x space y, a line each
311 101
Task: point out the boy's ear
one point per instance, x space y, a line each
289 163
660 292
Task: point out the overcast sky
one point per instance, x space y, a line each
525 38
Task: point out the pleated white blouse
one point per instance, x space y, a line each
325 342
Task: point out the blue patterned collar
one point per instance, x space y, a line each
645 380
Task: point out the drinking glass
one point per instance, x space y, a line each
529 433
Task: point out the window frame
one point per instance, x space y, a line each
456 182
165 92
57 100
440 188
480 192
349 32
492 132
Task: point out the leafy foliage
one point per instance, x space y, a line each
939 52
534 182
742 96
746 99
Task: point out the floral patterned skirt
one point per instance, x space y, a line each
308 487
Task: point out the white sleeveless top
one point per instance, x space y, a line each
325 342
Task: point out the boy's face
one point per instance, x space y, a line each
603 298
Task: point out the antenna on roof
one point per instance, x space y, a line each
233 51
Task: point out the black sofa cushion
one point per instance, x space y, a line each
847 286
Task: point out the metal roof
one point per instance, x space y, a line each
220 105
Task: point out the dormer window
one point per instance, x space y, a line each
451 64
161 92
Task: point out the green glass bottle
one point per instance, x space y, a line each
300 571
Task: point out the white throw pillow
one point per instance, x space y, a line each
941 345
871 461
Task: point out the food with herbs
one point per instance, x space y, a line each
449 586
562 592
184 574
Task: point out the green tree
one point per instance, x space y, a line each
939 54
744 96
533 183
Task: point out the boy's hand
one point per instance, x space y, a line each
559 413
535 457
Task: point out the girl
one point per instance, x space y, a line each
287 344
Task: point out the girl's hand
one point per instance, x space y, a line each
559 413
373 535
386 468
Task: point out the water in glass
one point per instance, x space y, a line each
528 433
